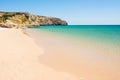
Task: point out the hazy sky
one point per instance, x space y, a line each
73 11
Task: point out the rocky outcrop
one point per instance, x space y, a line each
19 19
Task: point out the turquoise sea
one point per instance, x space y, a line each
104 37
101 33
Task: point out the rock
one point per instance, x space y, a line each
19 19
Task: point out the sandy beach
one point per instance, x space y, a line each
60 40
52 58
19 59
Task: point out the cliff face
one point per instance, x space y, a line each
18 19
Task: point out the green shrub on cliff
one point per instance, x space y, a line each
5 16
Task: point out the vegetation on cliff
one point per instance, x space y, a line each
19 19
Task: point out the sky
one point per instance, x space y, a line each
79 12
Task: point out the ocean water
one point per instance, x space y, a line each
106 34
88 51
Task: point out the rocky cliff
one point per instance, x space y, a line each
19 19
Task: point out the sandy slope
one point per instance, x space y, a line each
19 59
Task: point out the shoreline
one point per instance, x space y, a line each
52 58
86 60
19 59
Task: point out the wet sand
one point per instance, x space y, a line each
86 60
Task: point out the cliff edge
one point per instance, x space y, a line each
20 19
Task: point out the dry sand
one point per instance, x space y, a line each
19 59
